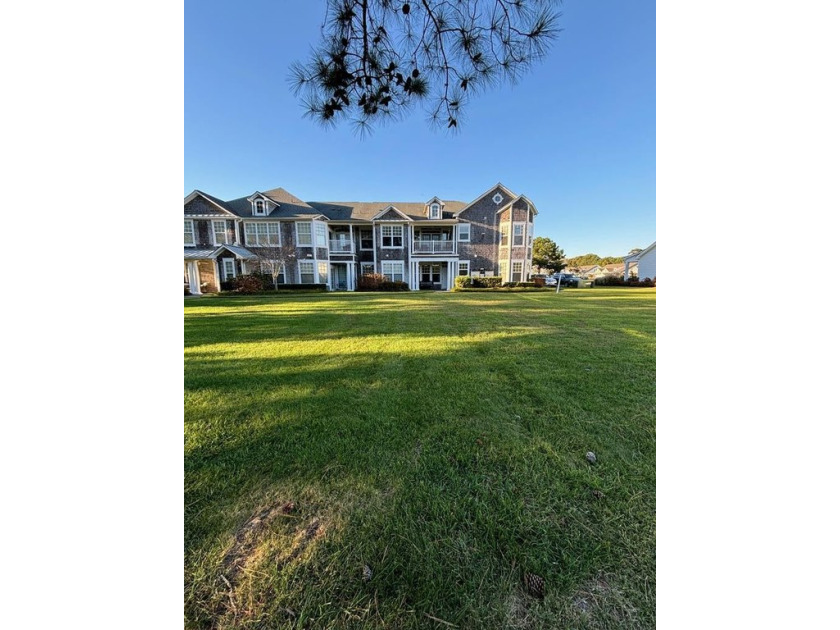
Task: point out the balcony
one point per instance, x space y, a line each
434 247
341 246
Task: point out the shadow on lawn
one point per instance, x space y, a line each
449 471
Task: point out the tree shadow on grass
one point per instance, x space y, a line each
448 472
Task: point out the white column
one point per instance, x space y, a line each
192 275
349 277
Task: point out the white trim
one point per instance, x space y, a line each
502 233
458 238
315 226
391 228
261 202
484 194
401 263
267 233
513 232
300 271
213 231
469 268
192 232
224 261
394 208
434 211
311 233
197 193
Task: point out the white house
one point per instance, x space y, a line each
646 260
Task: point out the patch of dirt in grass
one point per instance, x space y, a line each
301 542
248 536
517 615
598 603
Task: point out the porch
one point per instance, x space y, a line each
433 240
432 275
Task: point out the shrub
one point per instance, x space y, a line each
462 282
487 282
371 282
393 286
245 284
510 285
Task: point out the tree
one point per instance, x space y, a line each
274 260
547 256
633 251
377 58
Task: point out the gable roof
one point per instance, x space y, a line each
636 256
287 206
224 210
487 192
370 210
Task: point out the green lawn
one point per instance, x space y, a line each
439 439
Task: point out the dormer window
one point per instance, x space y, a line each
434 211
260 208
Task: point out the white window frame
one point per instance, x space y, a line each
311 265
265 269
191 223
224 230
392 265
225 275
319 242
434 211
255 241
323 269
521 271
461 227
504 233
463 262
392 229
521 226
362 239
530 232
298 240
503 270
260 203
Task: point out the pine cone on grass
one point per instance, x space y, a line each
535 585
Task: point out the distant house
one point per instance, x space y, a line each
590 272
614 269
645 261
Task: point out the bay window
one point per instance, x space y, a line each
189 232
518 234
304 234
307 271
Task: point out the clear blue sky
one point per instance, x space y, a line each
577 134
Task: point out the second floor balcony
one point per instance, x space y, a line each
341 246
434 247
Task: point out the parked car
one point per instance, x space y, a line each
550 281
567 279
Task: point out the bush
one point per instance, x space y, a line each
245 284
618 281
378 282
487 282
462 282
530 285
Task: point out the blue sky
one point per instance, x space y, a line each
577 134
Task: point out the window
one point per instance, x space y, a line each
322 272
463 267
320 234
367 239
503 270
530 234
393 271
392 236
504 231
517 272
269 267
260 208
228 268
367 268
262 234
497 198
304 234
307 271
463 231
518 234
189 232
220 235
434 211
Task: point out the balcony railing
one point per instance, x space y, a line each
434 247
341 247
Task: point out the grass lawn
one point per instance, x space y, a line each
439 439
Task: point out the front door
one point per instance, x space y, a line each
339 277
430 276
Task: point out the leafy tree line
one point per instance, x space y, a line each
587 260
